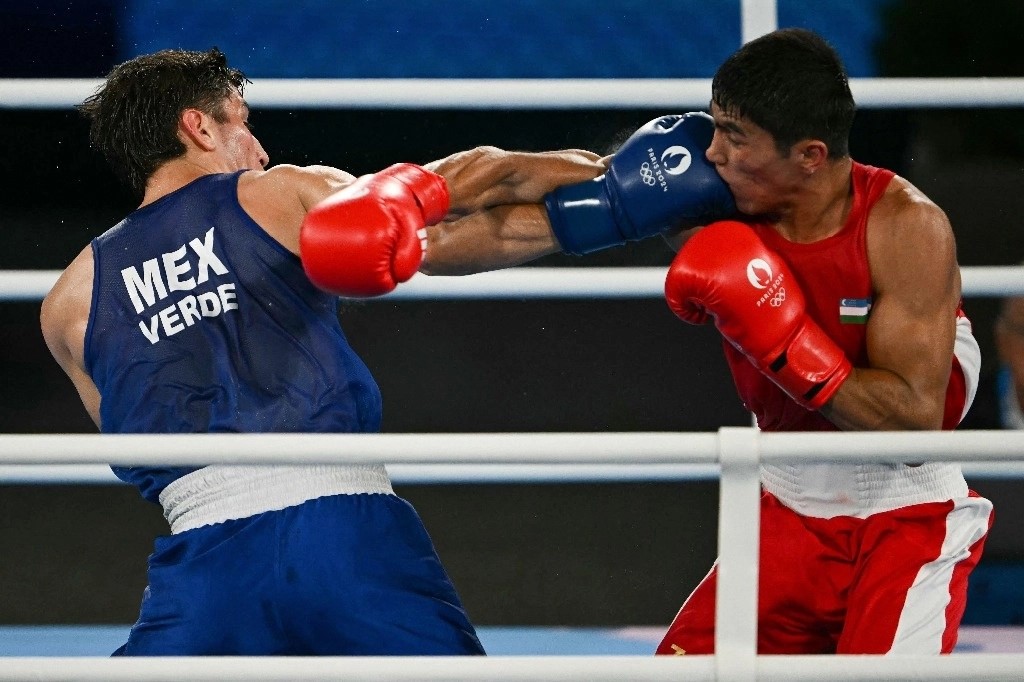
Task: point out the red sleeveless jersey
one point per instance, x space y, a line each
834 277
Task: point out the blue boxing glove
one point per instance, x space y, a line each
657 180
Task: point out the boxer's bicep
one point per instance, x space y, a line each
911 327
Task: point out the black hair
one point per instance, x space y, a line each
134 116
791 83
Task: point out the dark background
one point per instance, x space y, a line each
572 554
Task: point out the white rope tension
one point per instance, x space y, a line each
538 283
593 93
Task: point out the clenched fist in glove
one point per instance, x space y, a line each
659 179
726 272
369 237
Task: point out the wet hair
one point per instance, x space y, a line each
134 116
791 83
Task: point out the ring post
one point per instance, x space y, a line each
739 523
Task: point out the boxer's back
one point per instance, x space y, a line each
201 322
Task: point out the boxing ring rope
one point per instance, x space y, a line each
740 451
988 667
196 449
670 94
538 283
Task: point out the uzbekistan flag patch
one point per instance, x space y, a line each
854 310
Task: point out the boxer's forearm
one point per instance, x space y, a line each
496 238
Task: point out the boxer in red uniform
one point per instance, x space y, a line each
839 299
839 303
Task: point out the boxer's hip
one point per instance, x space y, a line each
215 494
826 490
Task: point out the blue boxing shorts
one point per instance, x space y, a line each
351 573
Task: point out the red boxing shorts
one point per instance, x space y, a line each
894 582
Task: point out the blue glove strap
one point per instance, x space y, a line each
581 217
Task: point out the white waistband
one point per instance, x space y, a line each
219 493
859 490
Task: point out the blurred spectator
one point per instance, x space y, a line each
1009 337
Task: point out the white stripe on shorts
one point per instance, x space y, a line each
923 619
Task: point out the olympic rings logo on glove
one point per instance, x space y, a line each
779 297
647 175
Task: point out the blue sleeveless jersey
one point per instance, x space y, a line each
201 322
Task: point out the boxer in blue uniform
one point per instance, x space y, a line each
212 308
323 558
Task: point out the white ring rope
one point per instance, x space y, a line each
433 474
545 93
470 458
365 448
537 283
197 449
988 667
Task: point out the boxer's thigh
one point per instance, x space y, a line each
363 578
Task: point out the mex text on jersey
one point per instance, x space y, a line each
180 288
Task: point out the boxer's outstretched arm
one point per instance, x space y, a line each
484 177
497 218
658 181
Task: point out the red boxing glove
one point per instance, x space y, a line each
367 238
725 271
